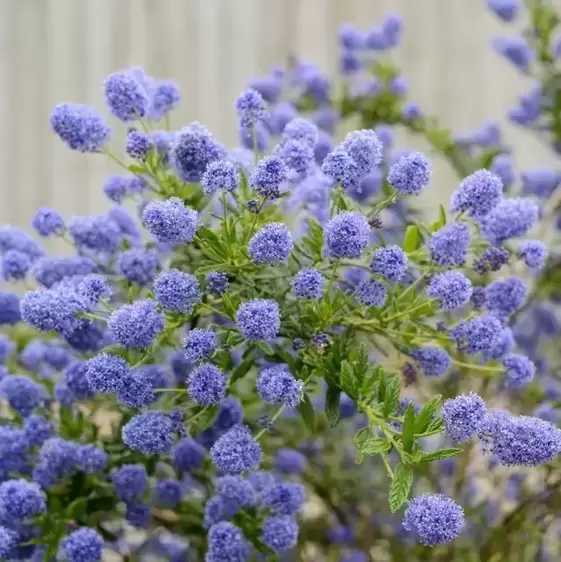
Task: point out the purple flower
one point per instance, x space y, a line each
10 310
271 244
371 293
492 259
216 282
149 433
389 262
477 194
433 361
138 144
170 221
75 378
136 325
276 385
83 545
192 150
280 533
365 149
15 265
435 519
98 233
449 245
516 50
339 167
534 253
125 96
251 109
463 416
106 373
236 451
48 222
268 175
258 319
346 235
138 265
226 542
164 96
410 174
300 129
308 284
177 291
506 10
452 288
130 482
520 440
503 167
207 385
479 334
22 394
504 298
20 499
188 455
199 344
289 461
80 127
220 175
284 498
519 370
511 218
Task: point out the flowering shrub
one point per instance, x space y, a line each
275 358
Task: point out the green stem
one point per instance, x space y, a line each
484 368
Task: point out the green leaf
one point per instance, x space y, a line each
203 420
332 410
243 368
369 444
425 416
408 432
412 239
265 348
135 169
307 412
400 487
204 269
348 380
442 454
442 214
393 390
369 384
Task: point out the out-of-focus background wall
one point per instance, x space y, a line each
53 51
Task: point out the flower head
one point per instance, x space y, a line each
83 545
22 394
199 344
504 298
371 293
308 284
20 499
534 253
519 370
276 385
217 282
365 149
346 235
448 246
220 175
410 174
477 194
48 222
435 519
268 176
463 416
511 218
479 334
280 532
138 265
433 361
226 543
389 262
130 482
80 127
164 96
177 291
284 498
126 96
170 221
452 288
258 319
271 244
236 451
149 433
106 373
136 325
207 385
188 455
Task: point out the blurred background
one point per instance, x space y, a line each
55 51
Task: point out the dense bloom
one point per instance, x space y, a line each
21 499
276 385
520 440
22 393
15 265
448 246
463 416
10 309
268 176
410 174
492 259
504 298
280 532
236 451
125 96
435 519
130 482
83 545
37 429
226 543
346 235
188 455
308 284
220 175
477 194
216 282
48 222
452 288
284 498
433 361
138 265
170 221
138 144
192 150
177 291
207 385
258 319
511 218
80 127
106 373
168 493
519 370
534 253
389 262
99 233
479 334
251 108
164 96
371 293
136 325
136 390
289 461
199 344
365 149
8 540
149 433
339 167
76 380
271 244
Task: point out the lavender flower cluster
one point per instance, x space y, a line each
239 349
